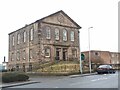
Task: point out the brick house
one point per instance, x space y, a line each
102 57
54 37
115 59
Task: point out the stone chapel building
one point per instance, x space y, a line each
54 37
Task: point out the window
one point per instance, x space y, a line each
97 53
74 53
47 52
112 55
72 35
117 62
12 56
17 67
31 53
18 55
113 62
18 39
13 41
24 36
56 34
117 55
24 55
48 33
31 34
64 35
30 67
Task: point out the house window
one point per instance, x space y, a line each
24 36
72 35
117 55
17 67
31 53
12 56
47 52
18 55
13 41
24 55
64 35
74 53
96 53
112 55
18 39
30 67
117 62
113 62
31 34
56 34
48 36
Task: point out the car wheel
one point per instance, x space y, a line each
111 72
114 72
98 72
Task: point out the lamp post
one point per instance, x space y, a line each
89 47
80 57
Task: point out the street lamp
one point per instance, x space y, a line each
80 57
89 47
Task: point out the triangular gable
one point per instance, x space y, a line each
60 18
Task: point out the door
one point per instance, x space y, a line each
57 54
23 67
64 56
64 53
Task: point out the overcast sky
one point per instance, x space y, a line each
102 15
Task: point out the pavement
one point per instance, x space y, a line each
34 80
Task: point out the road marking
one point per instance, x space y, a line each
99 79
75 83
55 87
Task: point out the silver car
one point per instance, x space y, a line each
105 69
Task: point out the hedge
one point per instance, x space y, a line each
13 77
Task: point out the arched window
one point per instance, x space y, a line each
24 36
13 40
31 33
56 34
47 52
74 53
12 56
72 36
48 33
64 35
24 55
18 38
31 53
18 55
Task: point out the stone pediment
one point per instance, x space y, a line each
60 18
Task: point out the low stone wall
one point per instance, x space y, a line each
51 73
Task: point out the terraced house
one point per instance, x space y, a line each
54 37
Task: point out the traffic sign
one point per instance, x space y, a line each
82 56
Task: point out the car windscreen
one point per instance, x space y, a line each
105 66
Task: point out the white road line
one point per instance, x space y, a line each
55 87
75 83
99 79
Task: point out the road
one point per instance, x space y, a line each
92 81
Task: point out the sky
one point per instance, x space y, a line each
102 15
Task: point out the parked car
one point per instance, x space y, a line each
105 69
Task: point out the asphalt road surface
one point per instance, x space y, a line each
93 81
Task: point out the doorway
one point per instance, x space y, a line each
23 67
64 53
57 54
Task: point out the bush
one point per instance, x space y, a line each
12 77
22 77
